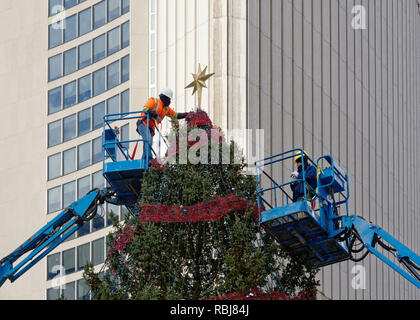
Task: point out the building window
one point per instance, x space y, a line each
82 290
98 251
69 128
125 6
54 67
84 155
99 48
70 31
113 74
113 105
53 266
80 57
54 7
83 256
125 101
54 166
97 150
84 119
69 261
98 223
69 194
114 41
125 67
125 35
99 15
83 187
69 291
85 55
69 161
85 21
53 294
55 35
69 94
85 90
70 64
54 133
98 180
112 210
54 199
84 230
99 82
98 115
69 3
54 100
114 9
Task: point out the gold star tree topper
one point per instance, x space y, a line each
199 83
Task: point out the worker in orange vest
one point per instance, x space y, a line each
157 109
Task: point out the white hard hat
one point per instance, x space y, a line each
167 92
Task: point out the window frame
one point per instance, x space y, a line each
64 205
75 17
60 55
115 63
74 115
87 245
79 20
79 80
60 88
109 34
75 159
104 3
74 82
87 110
76 65
61 133
49 178
104 69
50 14
79 67
59 188
78 155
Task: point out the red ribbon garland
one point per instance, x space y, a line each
203 212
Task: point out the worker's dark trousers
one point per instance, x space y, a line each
147 135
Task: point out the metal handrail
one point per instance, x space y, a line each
138 115
273 160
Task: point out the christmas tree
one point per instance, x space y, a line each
198 236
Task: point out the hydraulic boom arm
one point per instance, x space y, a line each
371 236
53 234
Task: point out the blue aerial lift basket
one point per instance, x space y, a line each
124 172
317 228
300 226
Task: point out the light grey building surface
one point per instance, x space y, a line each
316 82
337 77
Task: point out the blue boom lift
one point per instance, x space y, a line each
321 234
123 174
314 226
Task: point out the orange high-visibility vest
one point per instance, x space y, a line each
156 105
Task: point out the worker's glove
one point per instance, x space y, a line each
295 175
181 116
